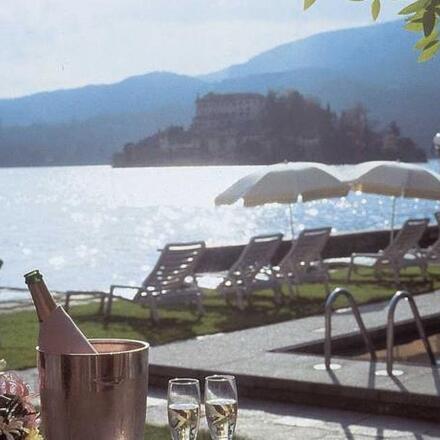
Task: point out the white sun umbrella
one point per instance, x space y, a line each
285 183
395 179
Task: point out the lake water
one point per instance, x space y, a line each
89 227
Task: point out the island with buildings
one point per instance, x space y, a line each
251 128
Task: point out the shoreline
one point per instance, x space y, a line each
221 258
176 165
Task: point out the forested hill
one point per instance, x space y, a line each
284 126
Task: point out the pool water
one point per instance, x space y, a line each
408 347
410 352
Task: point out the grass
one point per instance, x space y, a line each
163 433
18 331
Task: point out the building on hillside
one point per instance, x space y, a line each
226 113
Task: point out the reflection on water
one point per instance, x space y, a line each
413 352
88 227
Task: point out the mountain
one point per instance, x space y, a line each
145 93
92 141
87 125
372 65
380 54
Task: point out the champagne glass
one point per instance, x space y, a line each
184 408
221 406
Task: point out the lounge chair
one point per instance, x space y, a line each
253 271
432 253
400 253
171 281
303 262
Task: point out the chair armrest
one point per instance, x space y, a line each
197 276
113 287
368 255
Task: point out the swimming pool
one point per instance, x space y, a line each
408 348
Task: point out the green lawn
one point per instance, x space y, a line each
18 331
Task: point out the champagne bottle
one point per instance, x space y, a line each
58 333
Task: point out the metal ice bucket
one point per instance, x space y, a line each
99 396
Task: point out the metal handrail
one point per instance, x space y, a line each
328 324
398 296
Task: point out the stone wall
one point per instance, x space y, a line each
339 245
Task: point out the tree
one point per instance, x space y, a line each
422 16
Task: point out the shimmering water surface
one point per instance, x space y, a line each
88 227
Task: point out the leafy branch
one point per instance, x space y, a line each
421 16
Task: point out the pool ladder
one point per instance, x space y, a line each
398 296
328 324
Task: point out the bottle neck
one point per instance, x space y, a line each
43 300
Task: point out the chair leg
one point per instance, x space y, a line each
377 274
67 302
424 270
294 291
224 291
228 299
350 269
200 308
396 273
108 309
249 298
240 298
327 286
278 295
286 279
102 304
154 313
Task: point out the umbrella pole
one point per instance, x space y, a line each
393 215
291 218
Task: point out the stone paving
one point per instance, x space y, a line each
261 420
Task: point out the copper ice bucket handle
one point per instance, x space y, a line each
99 396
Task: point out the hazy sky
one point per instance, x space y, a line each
51 44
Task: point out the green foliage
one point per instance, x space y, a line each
300 129
422 16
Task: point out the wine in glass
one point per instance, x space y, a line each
184 408
221 406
